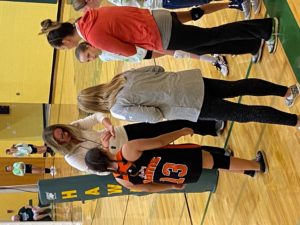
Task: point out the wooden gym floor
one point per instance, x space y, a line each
270 199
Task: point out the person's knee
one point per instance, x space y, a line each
221 161
36 217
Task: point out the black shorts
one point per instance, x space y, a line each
34 150
28 168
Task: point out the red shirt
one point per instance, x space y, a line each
120 29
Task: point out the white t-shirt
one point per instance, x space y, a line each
146 4
106 56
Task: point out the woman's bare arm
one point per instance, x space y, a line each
132 150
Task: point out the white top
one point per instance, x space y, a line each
106 56
146 4
76 158
22 150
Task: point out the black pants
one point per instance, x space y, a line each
215 107
150 130
232 38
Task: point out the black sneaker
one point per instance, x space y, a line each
262 160
250 173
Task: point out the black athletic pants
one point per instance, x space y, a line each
215 107
232 38
150 130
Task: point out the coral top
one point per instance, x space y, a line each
120 29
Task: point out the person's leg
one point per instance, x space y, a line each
178 4
215 108
41 149
39 210
38 217
252 86
186 37
238 47
213 149
233 164
38 170
150 130
194 13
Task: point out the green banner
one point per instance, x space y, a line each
87 187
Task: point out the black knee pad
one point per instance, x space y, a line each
196 13
221 161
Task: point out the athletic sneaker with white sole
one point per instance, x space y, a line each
221 65
243 5
257 57
272 42
295 91
256 6
52 171
262 160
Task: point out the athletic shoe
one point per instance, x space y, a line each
243 5
262 160
295 91
229 152
256 5
52 171
250 173
257 57
272 42
220 126
221 65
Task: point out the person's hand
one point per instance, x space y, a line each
111 129
105 136
187 131
178 186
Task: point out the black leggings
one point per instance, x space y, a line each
232 38
215 107
150 130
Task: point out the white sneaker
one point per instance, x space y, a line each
52 171
243 5
272 42
295 91
256 6
257 57
221 65
246 5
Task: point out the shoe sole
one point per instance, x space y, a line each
258 8
265 161
260 50
226 63
276 34
248 16
290 106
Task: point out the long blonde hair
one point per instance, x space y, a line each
100 98
66 148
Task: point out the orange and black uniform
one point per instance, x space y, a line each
172 164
